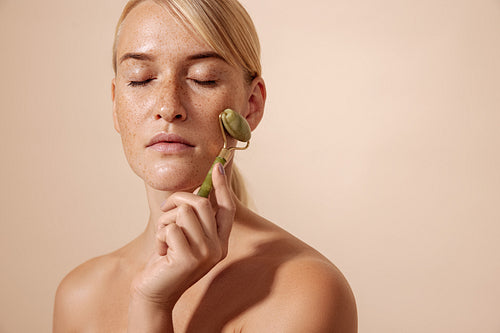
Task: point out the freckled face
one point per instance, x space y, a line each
170 82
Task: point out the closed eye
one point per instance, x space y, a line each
140 83
205 83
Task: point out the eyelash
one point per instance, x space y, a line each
145 82
205 83
139 83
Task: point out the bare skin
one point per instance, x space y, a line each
201 265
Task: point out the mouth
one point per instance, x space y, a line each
169 143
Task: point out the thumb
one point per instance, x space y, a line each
224 198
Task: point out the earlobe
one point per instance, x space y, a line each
256 102
113 98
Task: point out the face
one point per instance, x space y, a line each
167 94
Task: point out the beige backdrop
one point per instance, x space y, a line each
380 147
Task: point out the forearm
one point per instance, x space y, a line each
147 317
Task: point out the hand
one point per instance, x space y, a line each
192 237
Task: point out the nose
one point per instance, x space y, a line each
170 107
170 114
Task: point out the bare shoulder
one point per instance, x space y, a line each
308 293
80 291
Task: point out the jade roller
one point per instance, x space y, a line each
236 126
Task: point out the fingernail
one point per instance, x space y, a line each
221 169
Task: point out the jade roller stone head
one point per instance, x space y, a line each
237 127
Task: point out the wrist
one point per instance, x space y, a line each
146 315
139 299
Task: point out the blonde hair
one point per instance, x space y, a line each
226 27
223 24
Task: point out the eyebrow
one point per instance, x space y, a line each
205 55
148 57
136 55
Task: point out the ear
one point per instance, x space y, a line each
256 102
113 95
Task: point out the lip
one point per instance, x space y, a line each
169 143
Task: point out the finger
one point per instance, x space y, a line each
201 206
166 218
225 202
176 240
197 190
188 221
160 241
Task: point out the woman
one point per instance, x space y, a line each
201 265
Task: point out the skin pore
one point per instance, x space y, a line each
201 265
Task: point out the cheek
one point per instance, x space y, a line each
130 118
132 111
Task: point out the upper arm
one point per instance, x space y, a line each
65 317
311 297
75 299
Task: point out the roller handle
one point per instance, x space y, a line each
206 187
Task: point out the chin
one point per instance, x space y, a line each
172 173
173 186
172 179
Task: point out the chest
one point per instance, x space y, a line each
230 295
200 309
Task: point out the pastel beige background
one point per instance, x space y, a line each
380 147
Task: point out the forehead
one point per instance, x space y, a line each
150 27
